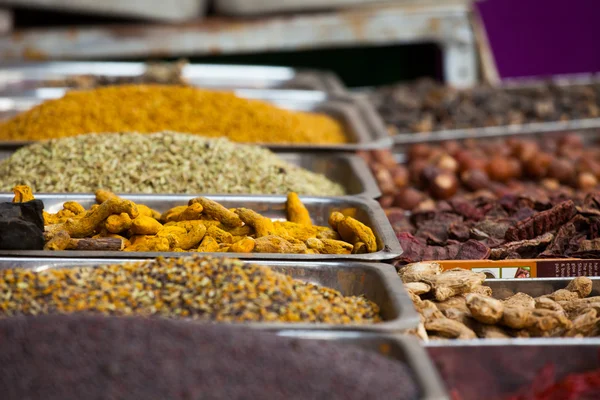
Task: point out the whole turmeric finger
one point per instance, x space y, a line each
23 193
296 211
359 248
59 241
219 234
329 246
191 213
335 218
324 232
74 207
118 223
90 222
148 212
295 230
208 245
354 231
262 225
246 245
103 195
148 244
195 233
216 211
172 215
143 225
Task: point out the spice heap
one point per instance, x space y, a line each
154 108
456 305
427 106
203 226
214 289
180 163
84 357
528 225
504 166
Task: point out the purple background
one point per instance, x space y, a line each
543 37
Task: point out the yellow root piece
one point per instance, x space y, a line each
144 225
353 231
148 244
243 231
297 231
324 232
276 244
173 214
208 245
360 248
220 235
90 222
262 225
246 245
59 241
216 211
296 211
328 246
74 207
103 195
22 193
184 234
118 223
191 213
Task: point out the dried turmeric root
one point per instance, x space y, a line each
208 245
295 230
90 222
275 244
220 235
148 244
216 211
74 207
172 215
118 223
144 225
329 246
296 211
22 193
59 241
262 225
103 195
245 245
353 231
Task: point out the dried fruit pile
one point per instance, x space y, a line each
455 304
556 165
426 105
528 225
203 226
202 288
83 357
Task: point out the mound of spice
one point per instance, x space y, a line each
200 288
154 108
165 162
455 304
84 357
203 225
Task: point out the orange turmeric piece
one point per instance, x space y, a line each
353 231
22 193
118 223
296 211
262 225
245 245
144 225
154 108
208 245
216 211
329 246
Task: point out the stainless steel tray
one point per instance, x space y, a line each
255 7
368 211
503 288
364 127
398 347
377 282
500 368
27 76
349 170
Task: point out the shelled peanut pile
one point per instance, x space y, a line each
455 304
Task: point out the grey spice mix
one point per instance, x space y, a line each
163 162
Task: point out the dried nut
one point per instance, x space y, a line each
444 186
384 157
447 163
550 184
429 173
485 309
537 167
526 150
499 169
400 175
386 201
415 169
467 161
408 198
419 152
451 146
562 170
586 181
383 177
515 168
475 179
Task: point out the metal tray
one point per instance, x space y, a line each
377 282
19 77
254 7
398 347
363 126
368 211
500 368
503 288
349 170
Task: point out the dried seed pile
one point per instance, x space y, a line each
455 304
210 289
83 357
165 162
153 108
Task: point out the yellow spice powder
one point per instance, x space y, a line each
152 108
